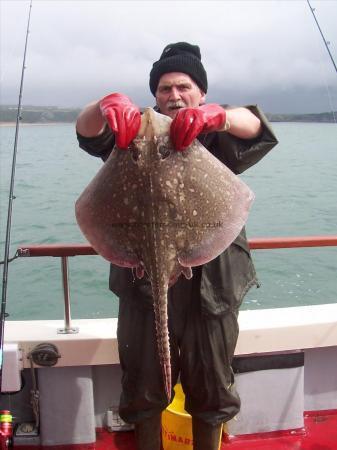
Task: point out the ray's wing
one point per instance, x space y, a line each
204 204
109 209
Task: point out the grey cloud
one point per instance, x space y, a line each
80 50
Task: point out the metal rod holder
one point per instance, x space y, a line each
68 329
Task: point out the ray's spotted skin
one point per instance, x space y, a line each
162 212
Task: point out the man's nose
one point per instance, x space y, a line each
174 94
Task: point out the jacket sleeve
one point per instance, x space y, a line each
240 154
100 146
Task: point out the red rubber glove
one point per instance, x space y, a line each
190 122
122 116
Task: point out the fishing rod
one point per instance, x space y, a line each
10 206
326 43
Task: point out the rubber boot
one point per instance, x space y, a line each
148 433
206 436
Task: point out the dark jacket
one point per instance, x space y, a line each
224 280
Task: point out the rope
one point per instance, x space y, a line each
34 394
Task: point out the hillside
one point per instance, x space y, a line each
39 114
48 114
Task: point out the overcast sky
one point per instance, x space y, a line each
268 52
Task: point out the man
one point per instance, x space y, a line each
202 311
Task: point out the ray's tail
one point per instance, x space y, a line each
162 334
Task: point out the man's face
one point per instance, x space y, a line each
177 90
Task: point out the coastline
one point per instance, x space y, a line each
12 124
24 124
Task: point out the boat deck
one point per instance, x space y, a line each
320 433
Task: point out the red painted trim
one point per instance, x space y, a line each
324 412
254 243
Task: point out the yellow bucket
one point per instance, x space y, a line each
177 424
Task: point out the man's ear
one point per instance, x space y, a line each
203 98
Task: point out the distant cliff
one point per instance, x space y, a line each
39 114
48 114
325 117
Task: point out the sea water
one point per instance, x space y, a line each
295 187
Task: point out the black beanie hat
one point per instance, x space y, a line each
179 57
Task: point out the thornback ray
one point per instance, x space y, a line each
162 212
